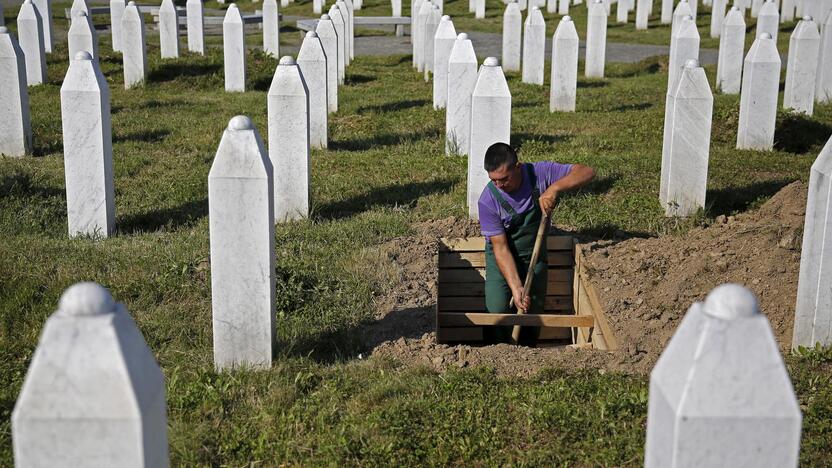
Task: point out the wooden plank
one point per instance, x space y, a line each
553 333
450 334
473 275
477 244
526 320
477 259
557 288
477 304
598 312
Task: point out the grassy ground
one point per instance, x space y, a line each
384 170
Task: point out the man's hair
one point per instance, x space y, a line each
498 155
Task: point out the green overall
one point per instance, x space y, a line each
520 233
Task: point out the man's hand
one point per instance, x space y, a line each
521 300
548 200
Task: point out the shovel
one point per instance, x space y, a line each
541 233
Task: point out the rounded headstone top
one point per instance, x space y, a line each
233 5
311 34
731 301
83 55
4 30
325 17
27 2
462 36
287 60
733 8
602 1
240 122
691 63
446 18
131 3
535 8
766 36
807 18
566 18
86 299
491 62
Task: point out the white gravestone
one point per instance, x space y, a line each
686 144
642 14
802 67
490 123
512 24
241 230
317 6
415 6
563 7
693 6
462 77
79 5
168 30
720 394
329 40
717 17
271 28
621 12
81 36
596 40
667 11
813 313
551 6
396 7
731 49
346 18
196 26
134 51
88 149
289 139
30 37
534 47
340 29
421 24
443 44
312 63
758 99
787 11
683 47
479 9
116 16
768 21
431 25
351 10
756 5
234 49
44 8
564 67
16 131
682 10
93 394
823 89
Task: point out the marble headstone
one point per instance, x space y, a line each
234 49
134 51
16 131
813 313
312 64
479 9
787 11
534 47
196 26
731 49
642 14
116 16
431 25
351 36
347 19
802 67
667 11
720 394
443 44
44 8
686 143
564 67
823 89
462 77
768 20
756 5
683 47
93 394
341 30
490 123
329 40
422 20
88 149
289 141
317 6
271 28
717 17
30 39
81 36
758 99
241 230
512 27
682 11
621 12
79 5
596 40
168 30
563 7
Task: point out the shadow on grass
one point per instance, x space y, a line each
149 136
795 133
385 139
394 106
592 84
185 214
730 200
20 184
55 146
391 196
519 139
648 66
173 71
358 79
632 107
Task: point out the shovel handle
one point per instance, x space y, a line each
538 241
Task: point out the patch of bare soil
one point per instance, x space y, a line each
646 286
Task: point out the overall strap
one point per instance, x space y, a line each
533 181
502 201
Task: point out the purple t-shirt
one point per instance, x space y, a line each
494 219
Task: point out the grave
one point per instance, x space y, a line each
329 40
596 40
421 24
312 64
758 99
462 78
93 394
79 5
642 14
682 11
667 11
801 67
768 19
490 123
443 44
116 16
196 26
686 142
564 67
134 52
44 8
823 89
168 30
340 29
621 12
683 47
731 48
479 10
82 37
431 24
534 47
563 7
347 19
717 17
271 28
720 394
787 11
16 132
30 40
234 50
241 229
512 24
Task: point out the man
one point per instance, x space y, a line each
510 209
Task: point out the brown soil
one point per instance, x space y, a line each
646 286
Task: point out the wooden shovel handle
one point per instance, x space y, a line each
541 233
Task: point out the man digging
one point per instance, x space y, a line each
511 208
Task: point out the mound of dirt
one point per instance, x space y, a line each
646 286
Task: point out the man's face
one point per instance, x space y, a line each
506 177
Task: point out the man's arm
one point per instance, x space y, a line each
505 262
578 176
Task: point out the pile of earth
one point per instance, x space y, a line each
646 286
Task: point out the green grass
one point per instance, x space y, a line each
385 170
